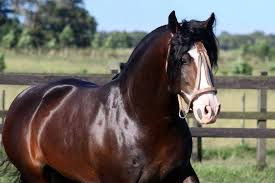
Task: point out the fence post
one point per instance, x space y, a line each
197 144
243 120
261 123
114 71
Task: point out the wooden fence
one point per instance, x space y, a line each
260 83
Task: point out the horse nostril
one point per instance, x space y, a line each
219 109
206 110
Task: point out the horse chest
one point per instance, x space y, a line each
166 151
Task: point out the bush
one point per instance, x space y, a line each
97 40
9 40
117 40
52 44
26 40
66 37
242 68
2 62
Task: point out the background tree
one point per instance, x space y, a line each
9 40
48 18
136 37
98 39
4 11
26 40
66 37
55 16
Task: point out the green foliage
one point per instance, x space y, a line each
2 62
255 45
229 41
117 40
242 68
66 37
4 10
226 41
26 40
57 23
136 37
260 49
10 24
52 44
55 17
9 40
48 20
97 41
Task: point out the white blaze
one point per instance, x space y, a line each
208 100
194 53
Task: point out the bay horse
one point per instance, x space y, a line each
129 130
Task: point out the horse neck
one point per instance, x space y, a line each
145 79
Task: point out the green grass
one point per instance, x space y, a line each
234 164
8 172
240 151
89 60
224 172
67 61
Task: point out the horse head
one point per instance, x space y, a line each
192 55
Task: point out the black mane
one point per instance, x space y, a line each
189 33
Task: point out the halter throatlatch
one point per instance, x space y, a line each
185 108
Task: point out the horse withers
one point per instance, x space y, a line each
130 130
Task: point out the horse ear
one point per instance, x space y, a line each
210 21
173 24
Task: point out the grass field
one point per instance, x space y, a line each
67 61
225 161
234 164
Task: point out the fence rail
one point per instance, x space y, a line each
261 83
233 132
34 79
222 82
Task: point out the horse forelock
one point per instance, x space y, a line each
189 33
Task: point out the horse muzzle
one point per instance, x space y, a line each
206 108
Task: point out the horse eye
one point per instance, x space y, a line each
186 59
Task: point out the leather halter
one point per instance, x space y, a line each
182 97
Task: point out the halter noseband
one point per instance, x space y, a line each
182 97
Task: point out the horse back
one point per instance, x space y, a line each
31 110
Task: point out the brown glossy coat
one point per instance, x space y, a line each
126 131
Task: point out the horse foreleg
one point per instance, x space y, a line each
189 175
182 175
